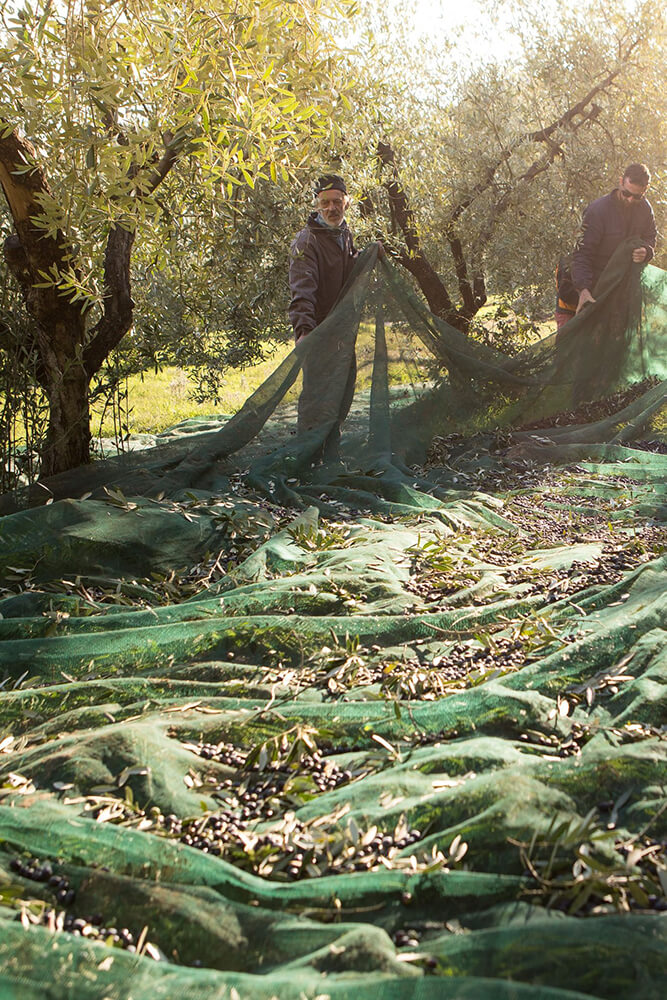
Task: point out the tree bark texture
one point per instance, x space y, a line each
59 325
68 351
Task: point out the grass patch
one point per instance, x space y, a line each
158 400
154 401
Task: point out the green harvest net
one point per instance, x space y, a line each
388 726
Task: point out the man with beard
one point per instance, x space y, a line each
606 223
321 258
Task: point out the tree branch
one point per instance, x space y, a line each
413 260
118 312
538 166
544 134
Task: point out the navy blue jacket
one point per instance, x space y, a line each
605 225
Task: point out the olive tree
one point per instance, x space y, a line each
109 111
474 172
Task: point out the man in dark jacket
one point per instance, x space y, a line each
606 223
321 258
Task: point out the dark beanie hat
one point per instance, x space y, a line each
329 182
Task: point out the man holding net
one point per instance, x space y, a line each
321 258
609 220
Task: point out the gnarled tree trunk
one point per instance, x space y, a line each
67 442
59 324
68 351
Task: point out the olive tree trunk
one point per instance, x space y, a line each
67 347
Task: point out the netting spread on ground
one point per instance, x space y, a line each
387 726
